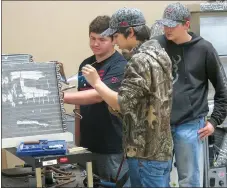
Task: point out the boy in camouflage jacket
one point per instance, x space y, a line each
143 100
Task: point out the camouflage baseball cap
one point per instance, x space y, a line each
174 14
124 17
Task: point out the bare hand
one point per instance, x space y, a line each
206 131
91 75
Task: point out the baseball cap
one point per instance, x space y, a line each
123 18
174 14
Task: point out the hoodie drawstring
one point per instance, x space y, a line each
185 69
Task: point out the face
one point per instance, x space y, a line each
174 33
101 45
122 42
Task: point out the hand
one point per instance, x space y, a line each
206 131
91 75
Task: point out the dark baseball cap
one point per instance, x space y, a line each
174 14
124 17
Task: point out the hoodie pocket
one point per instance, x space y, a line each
181 108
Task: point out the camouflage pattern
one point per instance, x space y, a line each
127 54
145 99
124 17
174 14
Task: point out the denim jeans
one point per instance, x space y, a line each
188 150
149 174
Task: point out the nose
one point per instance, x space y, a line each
96 43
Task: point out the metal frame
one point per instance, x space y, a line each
206 162
74 157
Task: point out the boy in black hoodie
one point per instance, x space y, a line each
194 62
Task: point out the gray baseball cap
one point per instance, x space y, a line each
123 18
174 14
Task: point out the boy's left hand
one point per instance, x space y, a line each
206 131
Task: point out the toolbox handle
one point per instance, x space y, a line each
32 142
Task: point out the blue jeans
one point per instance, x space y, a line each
188 153
149 174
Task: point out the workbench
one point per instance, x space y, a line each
70 158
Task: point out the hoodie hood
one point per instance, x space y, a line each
154 49
193 41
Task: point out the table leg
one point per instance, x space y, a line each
4 159
89 175
38 177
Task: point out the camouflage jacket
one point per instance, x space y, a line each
145 99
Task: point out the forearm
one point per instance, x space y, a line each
219 113
220 110
108 95
82 97
217 76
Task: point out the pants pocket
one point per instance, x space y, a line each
154 168
155 174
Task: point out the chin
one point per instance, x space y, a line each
121 47
170 38
97 52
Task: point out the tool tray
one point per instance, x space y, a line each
42 148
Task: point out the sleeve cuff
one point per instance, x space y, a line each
120 99
213 122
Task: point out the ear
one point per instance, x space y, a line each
132 33
187 25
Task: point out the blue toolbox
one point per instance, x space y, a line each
42 148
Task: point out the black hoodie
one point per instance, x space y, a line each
195 62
